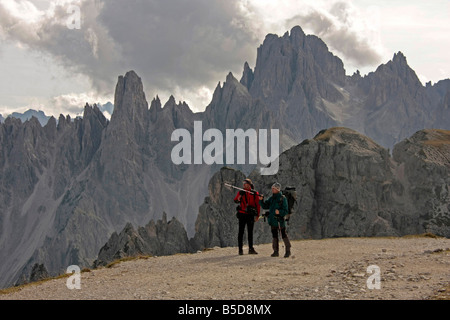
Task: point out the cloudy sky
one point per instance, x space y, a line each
57 55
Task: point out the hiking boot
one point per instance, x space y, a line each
287 245
275 247
241 252
252 251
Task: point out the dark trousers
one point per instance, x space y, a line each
249 221
275 232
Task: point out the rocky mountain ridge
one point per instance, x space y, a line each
348 186
67 186
27 115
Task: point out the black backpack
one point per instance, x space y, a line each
291 196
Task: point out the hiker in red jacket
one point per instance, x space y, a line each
248 213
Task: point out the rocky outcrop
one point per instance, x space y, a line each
348 186
424 171
39 272
216 223
155 239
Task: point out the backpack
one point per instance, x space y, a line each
290 193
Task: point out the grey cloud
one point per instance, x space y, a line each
179 43
71 48
170 44
340 37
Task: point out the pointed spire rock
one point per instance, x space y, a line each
156 103
230 77
155 108
247 76
399 57
399 66
129 99
172 100
297 36
130 115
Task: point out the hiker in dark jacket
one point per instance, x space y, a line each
278 208
248 213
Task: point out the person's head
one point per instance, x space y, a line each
248 185
276 188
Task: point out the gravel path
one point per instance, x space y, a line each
410 268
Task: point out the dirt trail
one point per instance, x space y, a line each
410 268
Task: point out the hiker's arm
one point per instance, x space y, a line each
237 199
265 204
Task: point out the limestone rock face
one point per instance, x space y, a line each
39 272
216 223
37 167
425 173
88 178
347 186
298 78
155 239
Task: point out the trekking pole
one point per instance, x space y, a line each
279 226
279 229
237 188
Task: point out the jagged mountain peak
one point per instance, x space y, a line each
247 76
230 77
130 103
398 68
93 111
297 31
399 58
51 123
64 121
171 101
39 114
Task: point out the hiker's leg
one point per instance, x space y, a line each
275 244
241 234
250 225
287 243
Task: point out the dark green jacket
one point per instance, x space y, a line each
273 203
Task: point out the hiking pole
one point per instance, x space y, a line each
237 188
279 228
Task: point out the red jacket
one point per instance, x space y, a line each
248 199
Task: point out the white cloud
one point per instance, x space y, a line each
73 103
